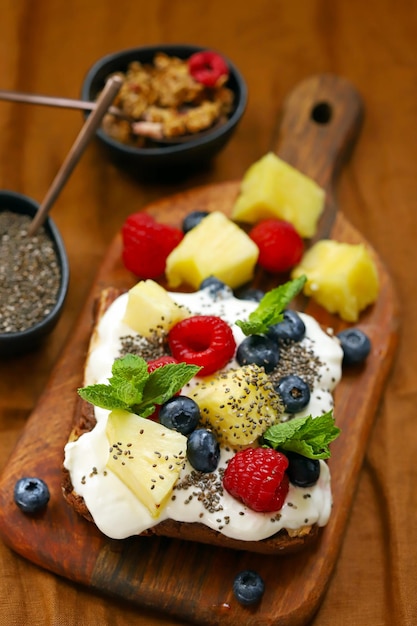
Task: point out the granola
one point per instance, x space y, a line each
164 100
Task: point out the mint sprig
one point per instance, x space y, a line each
132 388
308 436
270 309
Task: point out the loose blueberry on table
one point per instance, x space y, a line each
31 494
248 587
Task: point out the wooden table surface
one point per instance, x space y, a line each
47 47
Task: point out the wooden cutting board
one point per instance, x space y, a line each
190 581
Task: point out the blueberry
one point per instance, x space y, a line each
193 219
292 327
260 350
203 450
302 472
248 587
294 392
31 494
355 344
216 287
180 413
251 293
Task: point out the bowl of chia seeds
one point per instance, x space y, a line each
34 276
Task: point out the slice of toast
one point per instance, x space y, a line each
283 542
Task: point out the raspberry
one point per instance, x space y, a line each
204 340
207 67
152 366
256 477
280 245
146 244
159 362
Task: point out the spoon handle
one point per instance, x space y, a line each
87 131
53 101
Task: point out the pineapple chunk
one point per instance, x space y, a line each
271 188
150 307
238 405
146 456
215 247
341 277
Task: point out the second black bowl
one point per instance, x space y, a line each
164 157
19 342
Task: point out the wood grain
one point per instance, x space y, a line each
186 580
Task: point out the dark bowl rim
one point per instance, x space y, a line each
9 338
156 152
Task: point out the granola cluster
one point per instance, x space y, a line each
164 100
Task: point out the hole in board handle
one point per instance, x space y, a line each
321 113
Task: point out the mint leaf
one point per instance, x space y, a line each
306 435
164 382
271 308
130 374
132 388
103 396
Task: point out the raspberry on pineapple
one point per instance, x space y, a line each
256 477
280 245
147 244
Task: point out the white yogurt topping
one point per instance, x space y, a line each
116 510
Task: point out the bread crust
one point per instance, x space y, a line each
283 542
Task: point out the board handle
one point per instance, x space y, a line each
320 122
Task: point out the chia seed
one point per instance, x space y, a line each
149 348
30 274
207 487
295 358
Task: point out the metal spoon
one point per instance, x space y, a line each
87 131
65 103
84 105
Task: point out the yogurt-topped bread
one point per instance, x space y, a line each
248 472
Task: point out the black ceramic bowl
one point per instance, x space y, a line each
17 343
161 158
